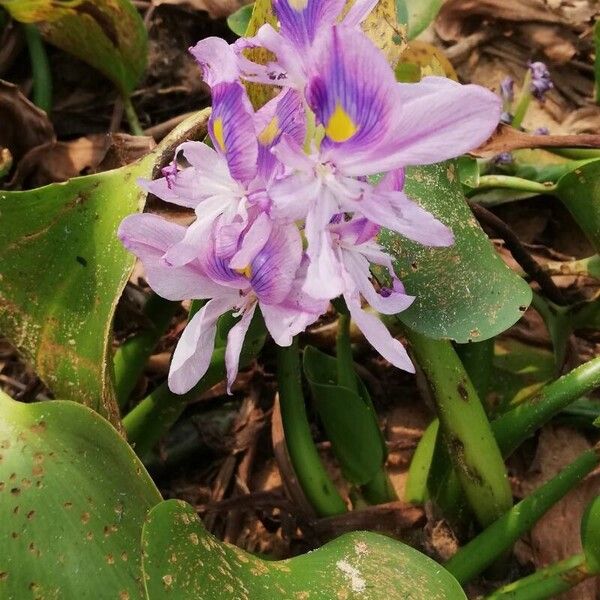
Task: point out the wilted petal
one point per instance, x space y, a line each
288 71
231 129
195 347
235 341
148 237
217 60
378 335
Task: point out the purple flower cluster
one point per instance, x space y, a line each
286 216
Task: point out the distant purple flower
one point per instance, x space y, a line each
541 131
541 81
504 158
506 118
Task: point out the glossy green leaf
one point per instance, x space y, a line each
348 418
590 535
420 13
183 561
107 34
239 20
73 498
62 270
464 292
579 191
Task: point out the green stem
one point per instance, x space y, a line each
420 465
380 489
515 183
149 420
42 79
312 477
576 153
546 583
477 358
523 102
496 539
131 357
132 118
519 423
343 348
465 427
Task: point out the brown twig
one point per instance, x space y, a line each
520 253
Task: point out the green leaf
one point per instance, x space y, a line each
109 35
348 418
182 560
62 270
464 292
579 191
590 535
420 13
239 20
73 498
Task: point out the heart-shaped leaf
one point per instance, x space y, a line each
107 34
579 191
464 292
349 419
62 270
182 560
73 498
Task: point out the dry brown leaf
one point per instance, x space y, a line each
217 9
507 138
459 18
556 535
22 124
59 161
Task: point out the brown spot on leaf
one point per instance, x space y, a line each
85 517
31 514
38 427
462 390
110 559
15 491
168 580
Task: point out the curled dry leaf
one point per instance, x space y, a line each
507 138
217 9
59 161
462 17
24 125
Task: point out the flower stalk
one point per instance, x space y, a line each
131 357
312 477
465 428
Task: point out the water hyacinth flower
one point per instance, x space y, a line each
287 212
541 81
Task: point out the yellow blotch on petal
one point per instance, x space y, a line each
340 126
298 5
246 271
218 133
268 134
